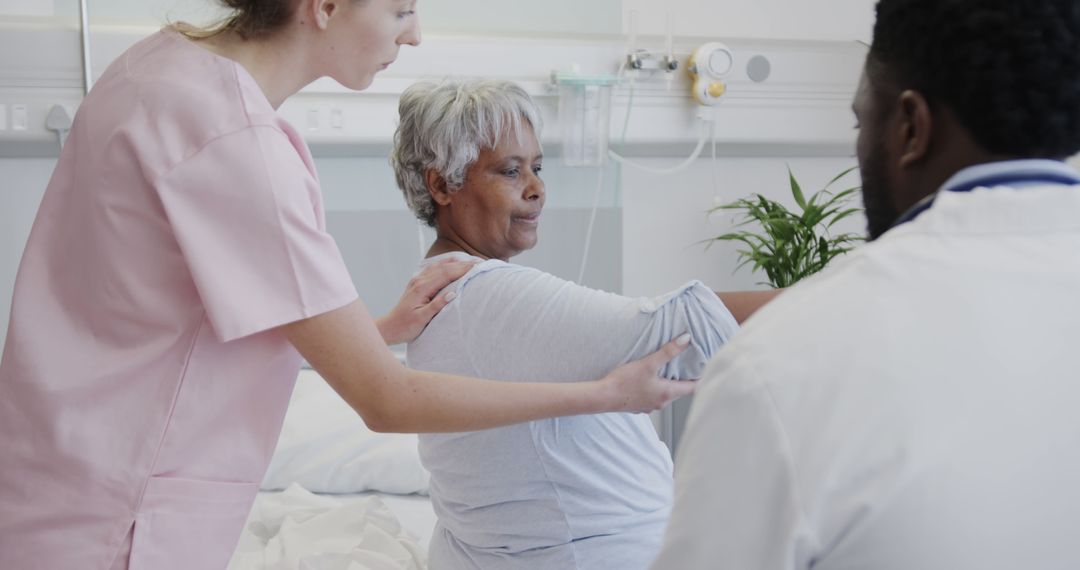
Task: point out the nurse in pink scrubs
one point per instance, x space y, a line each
176 273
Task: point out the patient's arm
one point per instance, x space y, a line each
742 304
518 323
347 349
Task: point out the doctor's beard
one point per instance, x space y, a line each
877 193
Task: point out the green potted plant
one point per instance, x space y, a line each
791 245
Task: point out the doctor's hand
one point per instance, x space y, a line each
421 301
636 386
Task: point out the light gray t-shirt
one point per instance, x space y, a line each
575 492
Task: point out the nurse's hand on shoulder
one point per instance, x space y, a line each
421 301
637 387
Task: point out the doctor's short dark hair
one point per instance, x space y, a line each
1008 69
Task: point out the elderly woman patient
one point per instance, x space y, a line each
576 492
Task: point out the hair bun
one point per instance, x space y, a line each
258 18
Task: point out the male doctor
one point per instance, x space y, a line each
917 405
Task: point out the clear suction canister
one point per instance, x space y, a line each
584 117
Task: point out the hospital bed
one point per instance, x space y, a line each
337 496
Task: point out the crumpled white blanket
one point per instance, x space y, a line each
298 530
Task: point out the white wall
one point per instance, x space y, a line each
664 218
33 8
840 20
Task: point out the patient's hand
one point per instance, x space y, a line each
419 304
637 387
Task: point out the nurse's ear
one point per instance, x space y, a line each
319 12
436 186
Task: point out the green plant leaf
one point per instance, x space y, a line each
846 213
788 246
812 216
796 191
839 198
841 175
842 195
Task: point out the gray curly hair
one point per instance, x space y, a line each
445 126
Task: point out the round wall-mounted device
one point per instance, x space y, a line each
708 65
758 68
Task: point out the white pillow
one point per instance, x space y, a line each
326 448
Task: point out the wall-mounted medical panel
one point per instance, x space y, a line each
799 104
802 100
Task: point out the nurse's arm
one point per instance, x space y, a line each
421 301
347 349
742 304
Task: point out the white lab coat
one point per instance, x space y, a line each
916 406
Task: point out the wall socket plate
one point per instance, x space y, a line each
22 122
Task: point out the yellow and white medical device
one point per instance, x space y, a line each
707 66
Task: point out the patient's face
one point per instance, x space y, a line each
497 212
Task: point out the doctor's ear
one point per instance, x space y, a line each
436 186
916 127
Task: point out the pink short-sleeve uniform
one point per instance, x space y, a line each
143 382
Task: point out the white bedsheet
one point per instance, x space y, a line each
298 530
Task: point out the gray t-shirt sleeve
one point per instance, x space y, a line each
551 329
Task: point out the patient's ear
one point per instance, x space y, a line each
436 186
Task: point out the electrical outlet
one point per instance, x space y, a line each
20 118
